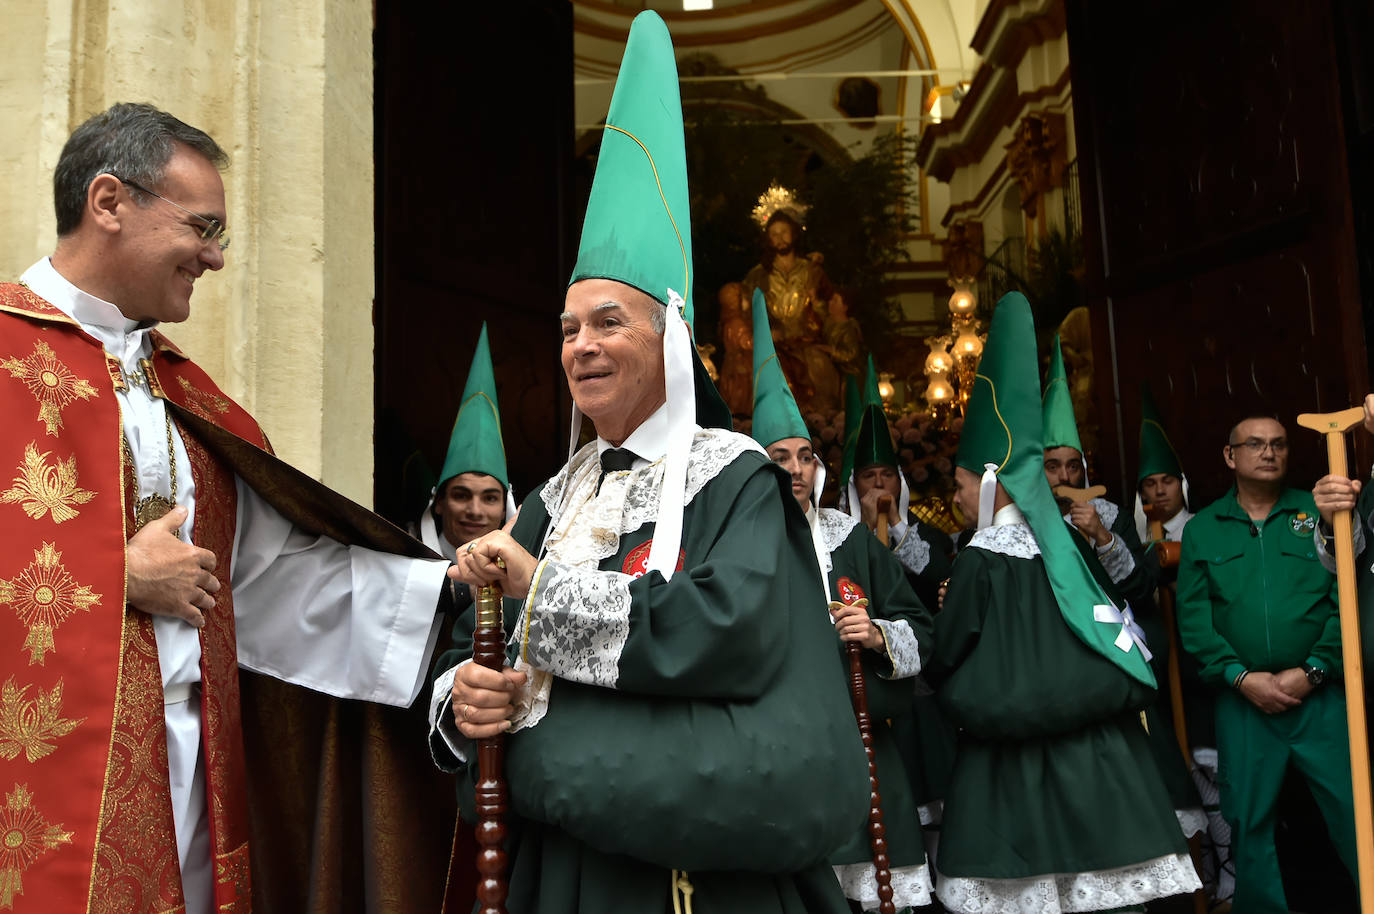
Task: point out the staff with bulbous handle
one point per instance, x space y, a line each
489 650
1334 426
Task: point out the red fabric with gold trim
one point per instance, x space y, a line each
849 591
89 802
61 602
637 561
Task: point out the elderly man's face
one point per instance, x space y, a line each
612 355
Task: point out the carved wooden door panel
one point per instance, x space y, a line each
1217 224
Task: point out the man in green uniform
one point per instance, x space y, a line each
1258 610
871 603
678 732
1055 803
474 495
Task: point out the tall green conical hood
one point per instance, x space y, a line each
1002 427
1157 454
475 445
638 228
1059 428
776 415
873 444
853 406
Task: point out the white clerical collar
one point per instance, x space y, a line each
649 440
87 310
1008 515
1173 527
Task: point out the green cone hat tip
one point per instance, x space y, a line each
872 442
1001 441
637 230
776 415
1157 455
852 407
1060 427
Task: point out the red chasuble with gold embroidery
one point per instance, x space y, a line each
86 821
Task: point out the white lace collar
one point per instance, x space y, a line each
1008 534
834 528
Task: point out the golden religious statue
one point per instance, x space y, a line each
798 294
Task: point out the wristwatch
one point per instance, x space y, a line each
1315 675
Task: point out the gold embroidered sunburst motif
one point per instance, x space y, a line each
207 401
28 725
41 487
52 384
44 595
24 836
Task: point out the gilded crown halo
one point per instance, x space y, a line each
778 198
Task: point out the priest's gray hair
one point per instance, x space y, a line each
131 141
658 319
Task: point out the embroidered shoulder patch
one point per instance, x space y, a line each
849 591
1302 524
637 562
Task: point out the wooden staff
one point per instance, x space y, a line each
1334 426
858 693
489 650
1168 558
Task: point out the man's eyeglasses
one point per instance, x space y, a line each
212 231
1257 446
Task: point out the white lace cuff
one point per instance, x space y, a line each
913 551
1054 893
441 720
902 647
910 885
576 622
1116 560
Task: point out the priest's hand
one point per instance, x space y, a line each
1335 493
852 624
483 700
868 508
495 558
1084 516
167 577
1264 692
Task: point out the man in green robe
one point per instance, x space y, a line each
1258 610
677 732
872 604
1055 803
1133 569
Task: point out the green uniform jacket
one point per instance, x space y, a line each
1054 774
1255 596
726 674
861 567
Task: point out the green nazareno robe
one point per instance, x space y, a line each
861 568
721 683
1054 775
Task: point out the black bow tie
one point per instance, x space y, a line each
614 460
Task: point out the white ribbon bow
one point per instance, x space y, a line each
1130 631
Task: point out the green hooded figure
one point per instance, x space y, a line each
474 446
1157 455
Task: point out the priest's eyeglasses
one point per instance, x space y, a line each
1257 446
212 229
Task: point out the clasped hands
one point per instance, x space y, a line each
483 700
1276 692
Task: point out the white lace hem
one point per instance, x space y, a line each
1015 540
1056 893
911 885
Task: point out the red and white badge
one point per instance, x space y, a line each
850 593
637 562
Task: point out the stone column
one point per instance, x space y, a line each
286 88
